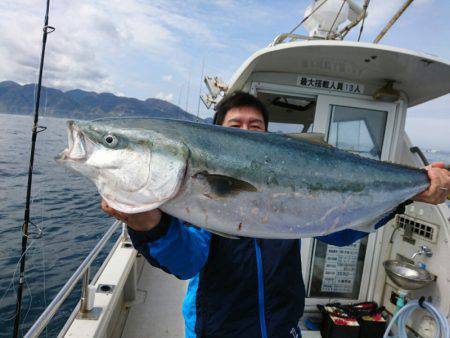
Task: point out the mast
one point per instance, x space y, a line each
200 88
35 130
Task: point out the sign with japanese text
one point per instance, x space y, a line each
339 86
340 268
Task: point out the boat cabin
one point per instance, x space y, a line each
357 96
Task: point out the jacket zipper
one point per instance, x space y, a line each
262 315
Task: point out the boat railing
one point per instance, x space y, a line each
82 271
292 37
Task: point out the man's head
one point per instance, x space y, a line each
242 110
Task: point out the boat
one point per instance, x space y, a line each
355 93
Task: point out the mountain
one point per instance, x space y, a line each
80 104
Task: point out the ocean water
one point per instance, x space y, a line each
64 205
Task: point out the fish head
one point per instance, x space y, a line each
135 170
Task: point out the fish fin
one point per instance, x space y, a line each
223 186
318 138
222 234
369 226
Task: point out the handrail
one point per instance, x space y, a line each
418 151
281 37
51 309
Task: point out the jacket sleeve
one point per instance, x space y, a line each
176 248
349 236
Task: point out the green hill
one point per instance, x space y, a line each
80 104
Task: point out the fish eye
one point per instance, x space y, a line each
110 140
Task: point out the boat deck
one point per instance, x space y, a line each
157 312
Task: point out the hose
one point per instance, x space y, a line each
442 325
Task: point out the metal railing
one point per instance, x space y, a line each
293 37
82 271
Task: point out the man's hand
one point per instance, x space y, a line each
439 187
143 221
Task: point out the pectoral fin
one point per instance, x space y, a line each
225 186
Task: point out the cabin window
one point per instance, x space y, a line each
358 130
289 113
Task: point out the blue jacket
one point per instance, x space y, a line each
238 288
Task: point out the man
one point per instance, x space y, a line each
247 287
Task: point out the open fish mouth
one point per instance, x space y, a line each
78 145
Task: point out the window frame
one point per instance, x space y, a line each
324 115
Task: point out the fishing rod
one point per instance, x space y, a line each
35 130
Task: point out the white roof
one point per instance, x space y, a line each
421 76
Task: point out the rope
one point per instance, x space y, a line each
306 18
335 19
29 303
366 5
43 191
11 283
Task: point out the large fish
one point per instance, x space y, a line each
236 182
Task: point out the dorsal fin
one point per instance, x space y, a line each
317 138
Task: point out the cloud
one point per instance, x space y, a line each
164 96
129 46
144 48
71 60
92 39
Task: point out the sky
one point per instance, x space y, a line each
143 48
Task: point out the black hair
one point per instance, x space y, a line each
239 99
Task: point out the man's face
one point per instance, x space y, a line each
247 118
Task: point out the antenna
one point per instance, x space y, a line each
200 89
188 89
26 218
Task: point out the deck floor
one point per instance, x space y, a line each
159 315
